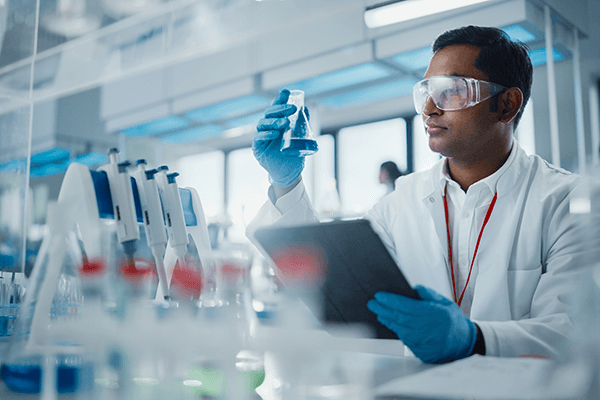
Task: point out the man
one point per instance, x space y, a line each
485 235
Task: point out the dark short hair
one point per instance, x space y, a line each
504 61
392 170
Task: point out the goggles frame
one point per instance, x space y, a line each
476 92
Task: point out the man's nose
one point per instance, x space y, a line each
431 108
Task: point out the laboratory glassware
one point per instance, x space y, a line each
225 289
266 288
225 310
53 297
298 139
10 302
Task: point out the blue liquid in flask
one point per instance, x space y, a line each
301 147
298 143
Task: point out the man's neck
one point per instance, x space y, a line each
466 173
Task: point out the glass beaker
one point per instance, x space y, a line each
298 139
53 298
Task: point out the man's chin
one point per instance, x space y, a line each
438 145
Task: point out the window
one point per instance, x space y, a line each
361 150
319 178
247 185
205 173
525 133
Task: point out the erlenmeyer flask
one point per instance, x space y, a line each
53 296
298 139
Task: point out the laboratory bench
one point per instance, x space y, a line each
384 369
313 360
405 377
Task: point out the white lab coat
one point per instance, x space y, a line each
530 258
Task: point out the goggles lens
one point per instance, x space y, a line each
452 92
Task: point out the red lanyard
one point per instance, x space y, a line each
485 221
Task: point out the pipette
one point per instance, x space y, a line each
119 182
156 234
178 237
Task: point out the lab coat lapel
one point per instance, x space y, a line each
434 204
491 296
432 200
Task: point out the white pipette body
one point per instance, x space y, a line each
156 234
121 193
178 238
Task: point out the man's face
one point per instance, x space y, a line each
466 134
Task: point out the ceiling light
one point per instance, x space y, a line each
49 156
193 134
538 56
392 12
251 119
415 60
342 78
371 94
49 169
156 126
91 159
229 108
14 165
517 32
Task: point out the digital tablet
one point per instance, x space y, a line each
348 262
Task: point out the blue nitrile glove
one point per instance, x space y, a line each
283 170
433 327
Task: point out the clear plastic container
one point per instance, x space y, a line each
11 294
54 296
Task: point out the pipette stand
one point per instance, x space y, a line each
79 188
91 192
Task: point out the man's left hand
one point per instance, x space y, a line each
433 327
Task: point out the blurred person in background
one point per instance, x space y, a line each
388 173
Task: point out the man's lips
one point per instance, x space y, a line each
434 128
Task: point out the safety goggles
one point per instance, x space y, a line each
453 92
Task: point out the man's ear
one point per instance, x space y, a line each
509 104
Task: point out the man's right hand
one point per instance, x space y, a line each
283 170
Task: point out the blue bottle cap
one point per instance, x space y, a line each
171 177
123 166
163 168
140 161
150 173
113 150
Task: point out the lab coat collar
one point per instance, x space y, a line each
501 181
